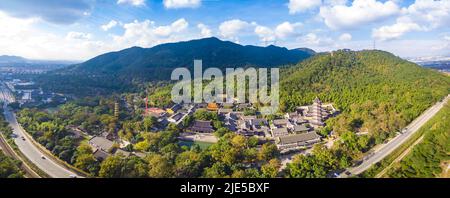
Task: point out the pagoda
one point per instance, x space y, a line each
317 112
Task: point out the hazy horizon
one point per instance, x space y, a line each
81 30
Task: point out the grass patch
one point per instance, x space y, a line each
202 145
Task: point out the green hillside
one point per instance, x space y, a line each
130 68
427 159
376 91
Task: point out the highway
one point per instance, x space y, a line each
40 159
393 144
7 150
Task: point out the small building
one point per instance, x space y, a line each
201 127
248 133
281 123
300 129
300 121
223 111
244 106
236 115
292 115
212 107
122 153
248 118
175 108
227 105
100 155
156 112
297 141
277 132
243 125
175 118
258 123
230 124
101 143
201 105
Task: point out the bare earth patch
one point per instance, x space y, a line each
445 165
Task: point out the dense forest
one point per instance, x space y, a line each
376 93
9 167
233 156
166 156
129 69
427 159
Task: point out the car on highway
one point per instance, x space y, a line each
42 156
347 173
72 176
335 175
23 138
404 130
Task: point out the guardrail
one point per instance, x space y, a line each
25 162
53 157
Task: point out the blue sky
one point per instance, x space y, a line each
79 30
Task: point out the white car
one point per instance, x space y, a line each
404 130
42 156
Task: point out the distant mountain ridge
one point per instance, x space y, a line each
157 63
11 59
7 60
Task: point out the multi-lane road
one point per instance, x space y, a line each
389 147
26 146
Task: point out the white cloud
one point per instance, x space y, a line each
61 12
175 4
232 28
297 6
345 37
422 15
431 14
447 38
359 13
147 34
283 31
177 26
109 25
78 36
395 31
265 34
286 29
132 2
204 30
335 2
313 39
23 38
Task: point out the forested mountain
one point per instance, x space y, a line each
377 91
117 71
159 61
